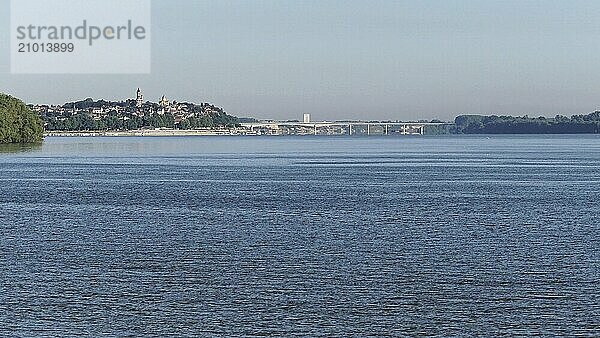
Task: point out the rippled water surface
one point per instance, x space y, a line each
310 236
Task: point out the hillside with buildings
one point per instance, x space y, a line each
132 114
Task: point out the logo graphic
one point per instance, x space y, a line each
80 37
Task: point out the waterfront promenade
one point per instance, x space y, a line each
148 132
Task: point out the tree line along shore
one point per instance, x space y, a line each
576 124
20 124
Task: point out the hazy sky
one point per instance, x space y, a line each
354 59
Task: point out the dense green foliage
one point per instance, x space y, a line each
576 124
439 129
81 122
18 124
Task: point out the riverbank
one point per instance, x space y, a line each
161 132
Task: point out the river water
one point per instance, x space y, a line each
308 236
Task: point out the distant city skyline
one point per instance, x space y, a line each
398 60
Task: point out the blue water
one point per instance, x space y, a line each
309 236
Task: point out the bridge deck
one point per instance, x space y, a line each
342 124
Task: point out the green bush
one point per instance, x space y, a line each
18 124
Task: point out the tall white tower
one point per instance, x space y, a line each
306 118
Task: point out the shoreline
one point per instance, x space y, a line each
133 133
237 132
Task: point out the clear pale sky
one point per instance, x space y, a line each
354 59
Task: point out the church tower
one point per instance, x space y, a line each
139 100
163 102
164 105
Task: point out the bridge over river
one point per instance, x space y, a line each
339 128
